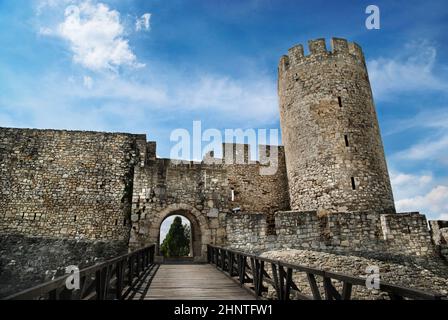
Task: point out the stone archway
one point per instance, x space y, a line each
200 231
195 243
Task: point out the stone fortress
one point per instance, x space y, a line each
71 197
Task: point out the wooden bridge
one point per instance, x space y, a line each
228 275
190 282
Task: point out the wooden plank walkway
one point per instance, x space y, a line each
189 282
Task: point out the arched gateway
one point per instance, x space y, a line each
199 228
207 194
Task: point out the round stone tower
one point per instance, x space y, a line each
334 153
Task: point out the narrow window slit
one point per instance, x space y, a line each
124 222
116 222
340 102
74 219
346 140
353 183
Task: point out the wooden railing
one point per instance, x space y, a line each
112 279
257 274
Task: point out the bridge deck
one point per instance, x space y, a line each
189 282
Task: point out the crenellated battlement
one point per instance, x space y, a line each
318 49
240 153
325 101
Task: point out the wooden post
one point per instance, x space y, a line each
313 285
276 280
119 274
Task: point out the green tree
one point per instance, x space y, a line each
177 241
187 232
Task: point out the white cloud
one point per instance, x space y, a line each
249 99
97 41
420 192
143 23
433 203
435 149
88 82
96 36
436 118
405 185
45 31
401 179
141 105
45 5
435 143
249 102
411 70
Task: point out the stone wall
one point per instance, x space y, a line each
247 232
29 261
439 234
398 244
163 188
343 230
432 277
260 193
334 153
66 184
202 192
408 234
81 185
403 235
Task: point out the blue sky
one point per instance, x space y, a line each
151 66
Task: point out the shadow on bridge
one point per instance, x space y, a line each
141 288
177 280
